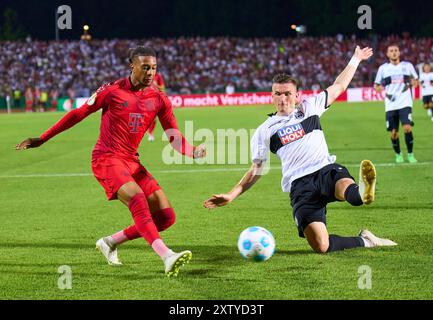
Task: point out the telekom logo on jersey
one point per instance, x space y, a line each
291 133
135 121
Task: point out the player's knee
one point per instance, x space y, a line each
407 129
321 246
128 192
394 135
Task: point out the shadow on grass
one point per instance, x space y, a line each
209 261
43 245
400 207
294 252
203 252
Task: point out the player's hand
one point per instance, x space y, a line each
363 54
378 88
217 200
199 152
29 143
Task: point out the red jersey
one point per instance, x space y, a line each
126 116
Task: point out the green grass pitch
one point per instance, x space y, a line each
53 210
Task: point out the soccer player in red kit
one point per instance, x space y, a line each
159 82
128 106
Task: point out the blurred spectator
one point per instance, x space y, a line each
230 89
17 98
198 64
43 100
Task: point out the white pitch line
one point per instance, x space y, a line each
56 175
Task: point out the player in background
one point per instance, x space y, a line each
54 95
295 135
397 77
29 97
426 81
158 82
128 106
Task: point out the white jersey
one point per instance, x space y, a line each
426 82
297 139
396 80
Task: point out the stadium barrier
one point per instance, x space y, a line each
219 99
369 94
263 98
243 99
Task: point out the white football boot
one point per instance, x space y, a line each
367 181
174 261
375 241
109 254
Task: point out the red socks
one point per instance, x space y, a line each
162 219
142 218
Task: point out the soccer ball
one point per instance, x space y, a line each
256 243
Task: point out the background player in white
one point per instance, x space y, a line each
397 77
426 81
294 134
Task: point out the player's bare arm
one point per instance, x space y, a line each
378 87
342 82
247 181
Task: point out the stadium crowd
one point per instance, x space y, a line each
191 65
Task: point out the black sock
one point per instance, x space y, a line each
352 195
409 141
396 145
337 243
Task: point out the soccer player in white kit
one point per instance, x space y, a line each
426 81
294 134
397 77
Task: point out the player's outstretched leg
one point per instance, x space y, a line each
109 252
108 245
174 261
163 219
372 241
367 181
132 195
319 240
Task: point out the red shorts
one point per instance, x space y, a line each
114 172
